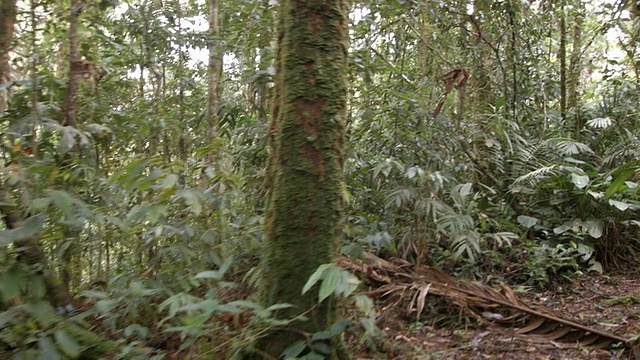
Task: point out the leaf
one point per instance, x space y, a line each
620 205
28 229
466 189
600 123
527 221
46 346
580 181
294 350
329 283
321 335
63 201
67 139
315 277
169 181
594 227
216 274
11 281
67 344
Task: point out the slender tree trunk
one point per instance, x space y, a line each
575 68
562 55
303 222
514 59
182 141
7 20
264 63
214 72
74 65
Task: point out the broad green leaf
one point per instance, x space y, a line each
466 189
620 205
63 201
580 181
67 344
330 281
321 335
294 350
105 306
37 286
594 227
596 266
94 294
142 331
192 200
527 221
169 181
42 311
313 279
339 327
67 139
40 204
562 228
11 282
46 346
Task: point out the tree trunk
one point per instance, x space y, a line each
214 72
562 55
74 64
7 20
306 166
575 68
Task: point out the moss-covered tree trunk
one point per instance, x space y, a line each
306 165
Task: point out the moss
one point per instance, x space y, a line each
306 165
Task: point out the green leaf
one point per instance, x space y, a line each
42 311
37 286
330 281
580 181
46 346
94 294
27 229
169 181
11 282
313 279
63 201
527 221
67 344
466 189
294 350
321 335
210 274
338 327
191 199
620 205
67 139
594 227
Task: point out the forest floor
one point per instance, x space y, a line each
606 302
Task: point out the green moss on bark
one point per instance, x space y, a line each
306 166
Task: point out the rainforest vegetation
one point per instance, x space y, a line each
319 179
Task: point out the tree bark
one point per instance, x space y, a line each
74 65
306 167
562 55
7 20
575 68
214 72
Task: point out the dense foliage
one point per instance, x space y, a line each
492 139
